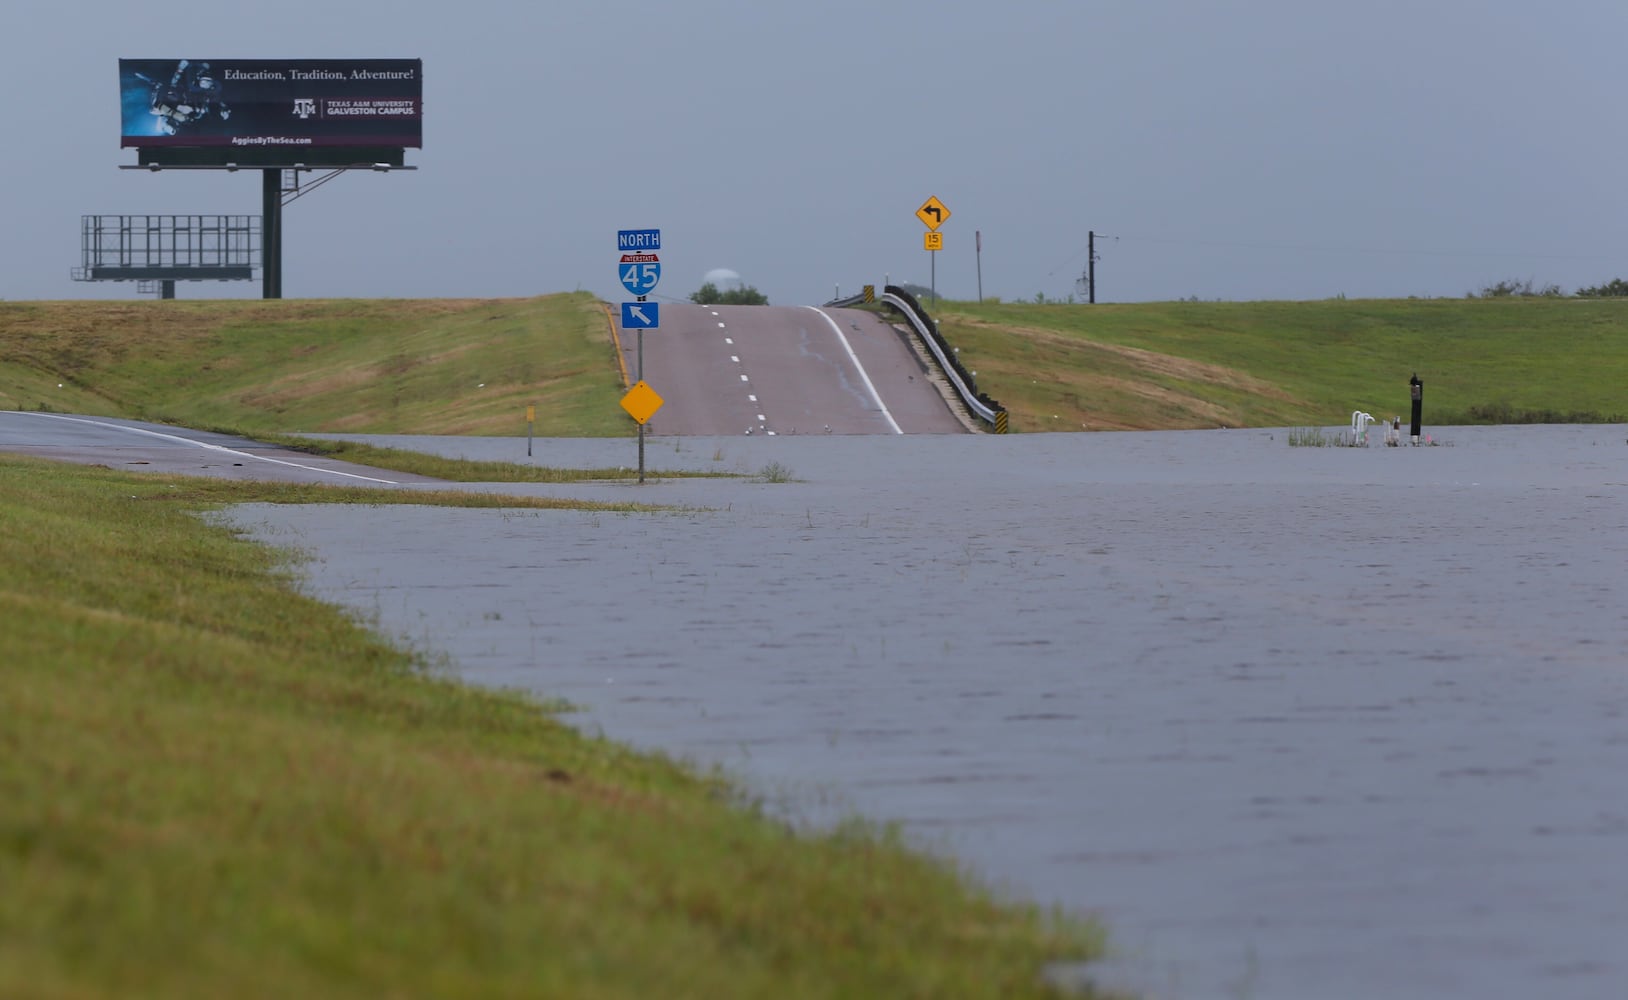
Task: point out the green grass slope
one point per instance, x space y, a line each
384 366
1208 364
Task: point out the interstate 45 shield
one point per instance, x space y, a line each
640 273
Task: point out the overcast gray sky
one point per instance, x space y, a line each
1275 149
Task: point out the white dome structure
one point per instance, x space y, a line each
724 279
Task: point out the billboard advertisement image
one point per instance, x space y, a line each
271 102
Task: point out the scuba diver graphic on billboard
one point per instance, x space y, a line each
190 96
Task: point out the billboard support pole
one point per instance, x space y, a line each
271 233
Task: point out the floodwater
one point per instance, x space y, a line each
1295 722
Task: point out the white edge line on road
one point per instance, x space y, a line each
212 447
855 359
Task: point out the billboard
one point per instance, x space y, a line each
271 103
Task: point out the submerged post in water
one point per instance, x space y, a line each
1417 388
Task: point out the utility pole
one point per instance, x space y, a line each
1089 279
1091 265
978 242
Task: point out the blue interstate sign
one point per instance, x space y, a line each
640 273
634 240
641 315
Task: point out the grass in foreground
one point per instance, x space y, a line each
201 492
213 786
464 470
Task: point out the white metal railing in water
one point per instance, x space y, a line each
1359 426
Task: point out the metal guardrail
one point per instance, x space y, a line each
846 303
982 406
866 296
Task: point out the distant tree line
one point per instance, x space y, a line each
1510 288
709 295
1614 288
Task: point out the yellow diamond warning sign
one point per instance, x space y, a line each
641 402
933 214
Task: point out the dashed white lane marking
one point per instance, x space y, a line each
855 359
735 358
214 447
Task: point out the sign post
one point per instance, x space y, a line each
639 271
641 403
933 213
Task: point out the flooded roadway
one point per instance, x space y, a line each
1296 722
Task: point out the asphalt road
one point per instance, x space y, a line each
144 447
725 370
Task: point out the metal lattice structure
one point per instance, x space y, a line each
169 248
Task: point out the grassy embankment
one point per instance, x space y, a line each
213 786
444 366
1273 364
272 370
